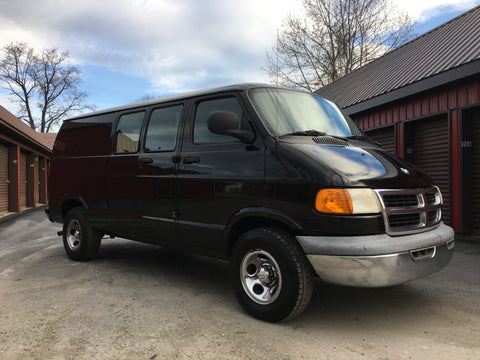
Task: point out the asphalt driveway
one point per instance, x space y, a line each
137 301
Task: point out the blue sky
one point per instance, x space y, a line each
127 49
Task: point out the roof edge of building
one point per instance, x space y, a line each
449 76
15 125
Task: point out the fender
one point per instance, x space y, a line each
251 215
69 202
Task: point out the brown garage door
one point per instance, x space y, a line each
23 179
3 178
37 181
385 136
475 113
431 153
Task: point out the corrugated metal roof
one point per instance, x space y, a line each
446 47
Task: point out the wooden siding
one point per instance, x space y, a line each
429 104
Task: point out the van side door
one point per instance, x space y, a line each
218 175
122 172
158 163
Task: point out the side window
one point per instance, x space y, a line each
127 136
201 134
162 129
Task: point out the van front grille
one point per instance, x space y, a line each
410 210
400 201
402 221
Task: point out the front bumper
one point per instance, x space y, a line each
379 260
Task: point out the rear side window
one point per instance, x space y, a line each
88 136
162 129
127 137
201 133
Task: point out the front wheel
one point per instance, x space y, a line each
272 278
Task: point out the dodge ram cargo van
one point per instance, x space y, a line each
279 182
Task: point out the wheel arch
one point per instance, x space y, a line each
69 204
251 218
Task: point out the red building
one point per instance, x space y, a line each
421 101
24 157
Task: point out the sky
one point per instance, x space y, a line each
127 49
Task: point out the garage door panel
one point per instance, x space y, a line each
23 179
430 142
3 178
385 136
475 113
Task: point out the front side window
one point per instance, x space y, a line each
288 112
162 129
201 133
127 137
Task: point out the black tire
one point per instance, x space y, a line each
271 276
80 240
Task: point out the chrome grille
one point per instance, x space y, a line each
410 210
401 221
400 201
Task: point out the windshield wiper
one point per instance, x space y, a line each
364 138
315 133
308 133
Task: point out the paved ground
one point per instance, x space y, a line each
141 302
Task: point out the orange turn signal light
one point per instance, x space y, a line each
334 201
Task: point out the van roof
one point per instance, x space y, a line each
236 87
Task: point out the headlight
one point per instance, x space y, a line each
347 201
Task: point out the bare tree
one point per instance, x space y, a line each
333 38
44 85
146 97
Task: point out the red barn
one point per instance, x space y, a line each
421 101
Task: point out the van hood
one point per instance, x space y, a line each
356 165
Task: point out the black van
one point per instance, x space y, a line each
277 181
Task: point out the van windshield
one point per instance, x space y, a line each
288 112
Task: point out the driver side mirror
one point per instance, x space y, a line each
227 123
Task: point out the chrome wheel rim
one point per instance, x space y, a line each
73 234
261 277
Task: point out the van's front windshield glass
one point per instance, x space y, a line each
287 112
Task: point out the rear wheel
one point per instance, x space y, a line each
272 278
80 240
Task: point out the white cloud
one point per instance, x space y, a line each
178 45
170 42
422 10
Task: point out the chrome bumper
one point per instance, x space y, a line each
379 260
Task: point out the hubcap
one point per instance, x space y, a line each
260 276
73 234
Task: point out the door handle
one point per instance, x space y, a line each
191 160
145 160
